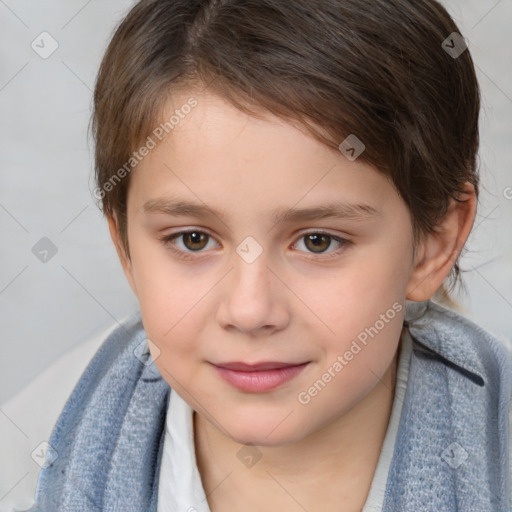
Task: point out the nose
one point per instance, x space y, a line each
254 298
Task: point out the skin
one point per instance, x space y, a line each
295 302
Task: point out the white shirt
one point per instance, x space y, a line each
180 487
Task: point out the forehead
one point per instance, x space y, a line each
214 151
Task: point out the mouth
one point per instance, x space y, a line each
265 365
259 377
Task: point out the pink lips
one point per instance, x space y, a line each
256 378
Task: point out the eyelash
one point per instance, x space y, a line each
187 255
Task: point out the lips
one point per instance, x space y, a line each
265 365
258 377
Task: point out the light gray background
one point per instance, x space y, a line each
46 182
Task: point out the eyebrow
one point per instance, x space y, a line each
334 209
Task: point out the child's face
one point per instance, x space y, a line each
214 298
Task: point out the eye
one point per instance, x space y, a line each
195 241
318 242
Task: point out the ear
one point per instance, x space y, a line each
438 251
126 263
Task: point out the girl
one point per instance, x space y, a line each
288 186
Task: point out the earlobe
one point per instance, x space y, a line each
123 257
439 250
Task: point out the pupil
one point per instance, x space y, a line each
317 240
195 238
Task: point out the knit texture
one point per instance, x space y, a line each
108 440
451 452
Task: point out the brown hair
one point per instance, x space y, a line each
373 68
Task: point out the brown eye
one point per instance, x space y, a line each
195 240
187 242
317 242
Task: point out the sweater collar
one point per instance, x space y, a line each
432 328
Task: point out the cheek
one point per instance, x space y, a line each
382 275
169 301
342 302
172 323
